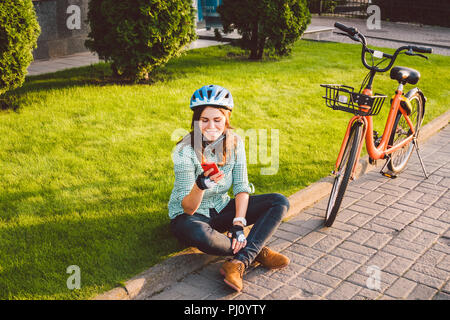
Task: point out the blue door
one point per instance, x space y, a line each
209 13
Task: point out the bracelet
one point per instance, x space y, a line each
240 219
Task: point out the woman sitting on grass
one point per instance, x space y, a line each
199 207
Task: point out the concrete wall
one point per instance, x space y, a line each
63 27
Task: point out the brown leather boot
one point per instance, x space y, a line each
271 259
233 272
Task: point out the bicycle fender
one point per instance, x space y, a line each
412 92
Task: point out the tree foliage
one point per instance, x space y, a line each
272 25
19 31
137 36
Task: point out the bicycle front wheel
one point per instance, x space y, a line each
343 173
401 131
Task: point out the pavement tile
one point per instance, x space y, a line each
345 291
260 280
360 219
409 233
327 244
285 292
345 215
290 227
286 235
431 271
389 213
404 218
349 255
255 290
433 212
442 296
422 292
401 252
399 266
444 264
311 239
354 247
424 279
325 263
343 269
401 288
361 236
378 241
310 287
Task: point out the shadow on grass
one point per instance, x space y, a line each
121 240
100 74
108 251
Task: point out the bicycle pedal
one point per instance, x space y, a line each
389 175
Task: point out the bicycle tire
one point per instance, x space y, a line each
343 173
399 159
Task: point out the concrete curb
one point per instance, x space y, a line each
187 261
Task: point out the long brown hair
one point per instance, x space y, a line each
228 143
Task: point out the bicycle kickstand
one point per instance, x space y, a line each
416 146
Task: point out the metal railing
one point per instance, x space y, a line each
346 8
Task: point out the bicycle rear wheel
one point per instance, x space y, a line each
343 173
401 131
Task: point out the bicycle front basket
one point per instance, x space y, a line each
344 98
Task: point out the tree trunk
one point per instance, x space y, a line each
261 45
254 43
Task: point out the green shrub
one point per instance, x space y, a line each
137 36
266 24
19 31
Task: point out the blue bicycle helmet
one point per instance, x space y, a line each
212 95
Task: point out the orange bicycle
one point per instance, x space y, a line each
402 125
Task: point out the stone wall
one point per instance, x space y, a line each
63 27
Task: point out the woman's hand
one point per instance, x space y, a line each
216 177
237 234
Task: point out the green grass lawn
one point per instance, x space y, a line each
86 169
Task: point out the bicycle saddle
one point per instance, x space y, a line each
405 75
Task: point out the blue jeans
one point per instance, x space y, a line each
264 212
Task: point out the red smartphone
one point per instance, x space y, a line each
208 165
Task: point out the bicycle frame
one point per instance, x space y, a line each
383 149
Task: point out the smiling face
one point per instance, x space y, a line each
212 123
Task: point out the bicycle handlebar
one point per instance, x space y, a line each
422 49
355 35
350 30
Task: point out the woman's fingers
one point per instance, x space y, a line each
218 176
206 173
236 245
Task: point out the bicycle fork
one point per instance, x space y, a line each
344 144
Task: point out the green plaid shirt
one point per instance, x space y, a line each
187 167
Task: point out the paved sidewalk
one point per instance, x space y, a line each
391 240
38 67
392 34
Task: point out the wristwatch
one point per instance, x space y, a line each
240 219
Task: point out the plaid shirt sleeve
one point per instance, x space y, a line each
184 169
240 177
